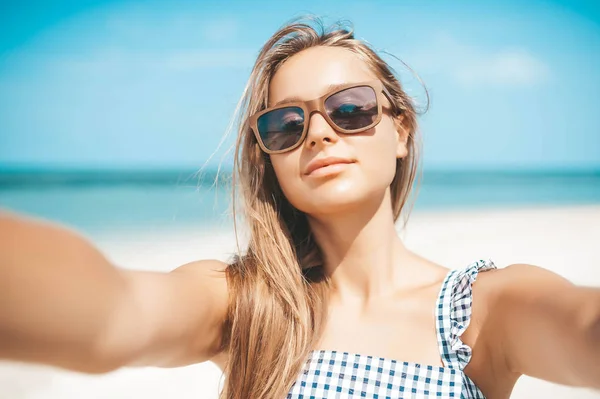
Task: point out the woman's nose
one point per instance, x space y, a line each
320 131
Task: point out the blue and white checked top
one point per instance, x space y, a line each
330 374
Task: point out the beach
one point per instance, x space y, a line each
563 239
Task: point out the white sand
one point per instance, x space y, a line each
564 240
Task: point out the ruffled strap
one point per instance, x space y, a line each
453 313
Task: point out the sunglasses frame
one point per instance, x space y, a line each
318 105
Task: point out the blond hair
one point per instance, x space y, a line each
278 291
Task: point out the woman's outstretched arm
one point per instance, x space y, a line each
547 327
62 303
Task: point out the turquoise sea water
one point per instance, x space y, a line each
94 201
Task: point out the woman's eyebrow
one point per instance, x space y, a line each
328 89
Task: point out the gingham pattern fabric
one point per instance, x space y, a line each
330 374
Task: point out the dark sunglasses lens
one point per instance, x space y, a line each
281 128
354 108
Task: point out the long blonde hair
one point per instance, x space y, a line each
278 291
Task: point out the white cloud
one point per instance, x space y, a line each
115 60
220 30
474 66
131 37
507 67
222 58
142 26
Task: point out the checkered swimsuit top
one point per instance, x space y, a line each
332 374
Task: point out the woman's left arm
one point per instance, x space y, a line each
548 327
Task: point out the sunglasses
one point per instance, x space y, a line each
349 108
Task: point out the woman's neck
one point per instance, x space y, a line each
362 251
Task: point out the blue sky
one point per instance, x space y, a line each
153 84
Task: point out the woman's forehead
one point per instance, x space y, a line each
308 74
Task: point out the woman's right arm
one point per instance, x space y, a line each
62 303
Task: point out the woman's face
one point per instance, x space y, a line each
371 155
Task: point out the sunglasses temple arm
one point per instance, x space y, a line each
391 100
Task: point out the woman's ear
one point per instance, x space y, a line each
402 137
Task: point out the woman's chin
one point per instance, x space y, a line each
347 203
338 195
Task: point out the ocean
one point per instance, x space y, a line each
95 201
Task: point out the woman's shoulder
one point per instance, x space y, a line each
514 280
498 289
206 267
211 272
499 292
498 295
209 276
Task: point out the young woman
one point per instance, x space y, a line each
326 302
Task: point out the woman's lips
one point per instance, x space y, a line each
326 163
329 169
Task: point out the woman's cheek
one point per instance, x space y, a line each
288 179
